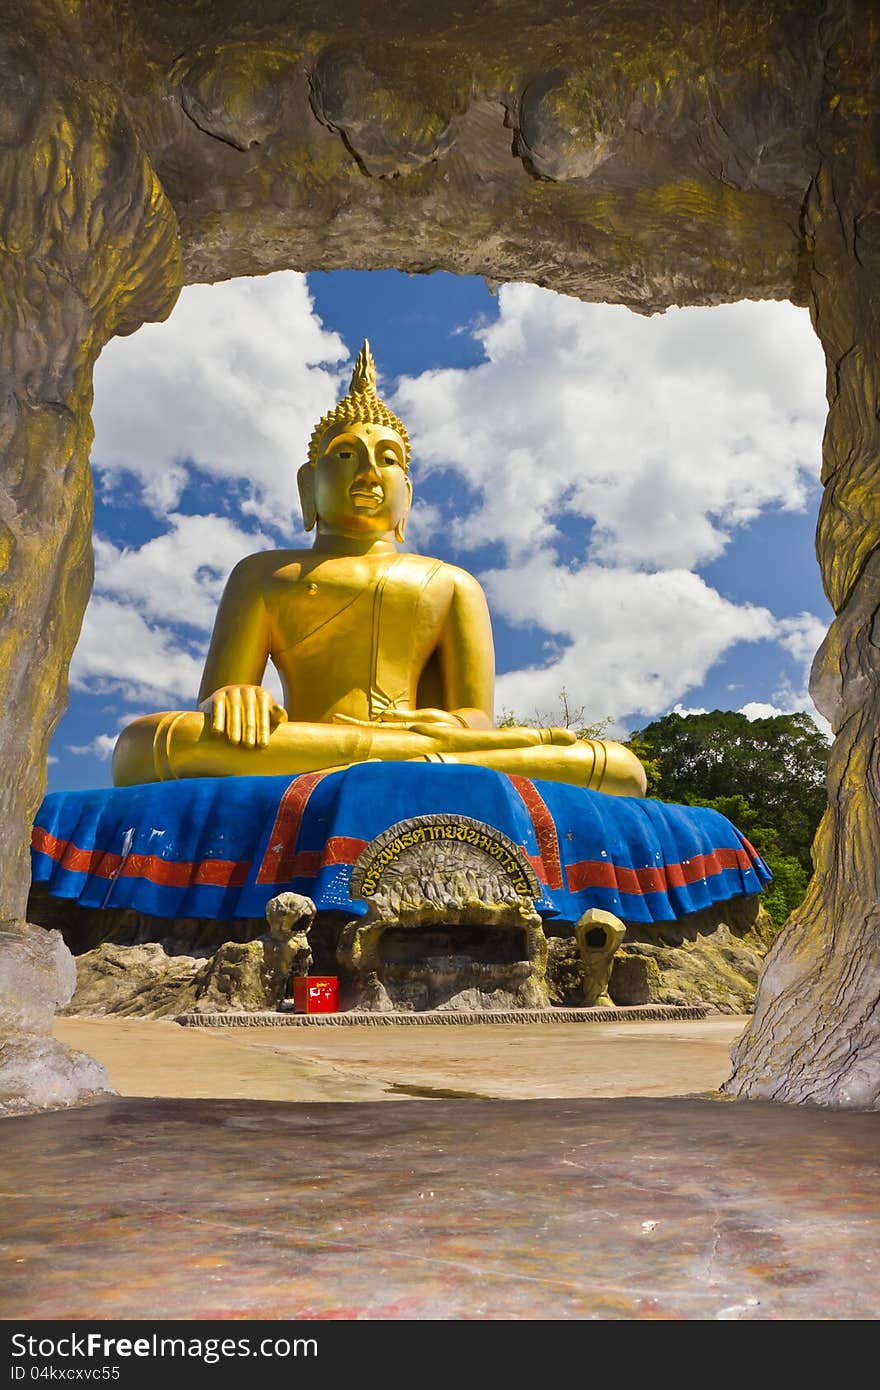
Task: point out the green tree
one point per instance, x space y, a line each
645 754
790 878
775 765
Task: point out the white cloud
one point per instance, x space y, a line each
758 709
792 702
119 652
179 575
145 632
234 380
665 432
633 642
802 636
100 747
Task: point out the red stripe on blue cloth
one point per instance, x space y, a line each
183 873
545 830
278 858
601 873
180 873
307 863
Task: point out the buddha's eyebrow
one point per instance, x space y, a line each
389 445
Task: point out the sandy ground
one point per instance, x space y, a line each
512 1061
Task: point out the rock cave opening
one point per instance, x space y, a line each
670 162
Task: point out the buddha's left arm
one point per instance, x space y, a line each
467 655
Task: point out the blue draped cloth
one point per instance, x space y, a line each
222 847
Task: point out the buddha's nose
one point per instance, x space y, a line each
368 466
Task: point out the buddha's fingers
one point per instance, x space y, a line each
403 719
263 728
249 712
218 714
451 738
412 717
233 716
269 714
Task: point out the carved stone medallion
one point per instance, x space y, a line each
431 868
446 872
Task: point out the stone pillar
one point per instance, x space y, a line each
88 249
815 1035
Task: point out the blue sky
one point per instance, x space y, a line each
637 495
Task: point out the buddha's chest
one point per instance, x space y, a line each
348 612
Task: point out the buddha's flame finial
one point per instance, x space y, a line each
361 406
363 378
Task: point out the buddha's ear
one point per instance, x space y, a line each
305 481
400 528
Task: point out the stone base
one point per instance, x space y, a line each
638 1013
136 966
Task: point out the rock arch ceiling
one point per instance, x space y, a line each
684 154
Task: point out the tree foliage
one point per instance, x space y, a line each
767 776
777 765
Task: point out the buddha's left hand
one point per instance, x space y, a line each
418 721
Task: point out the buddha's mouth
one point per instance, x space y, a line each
366 494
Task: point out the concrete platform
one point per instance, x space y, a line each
610 1209
434 1018
154 1057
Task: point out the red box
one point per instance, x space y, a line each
316 994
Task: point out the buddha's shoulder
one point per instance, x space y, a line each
452 575
264 565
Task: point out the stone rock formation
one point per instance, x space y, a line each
598 936
144 980
133 981
711 957
633 153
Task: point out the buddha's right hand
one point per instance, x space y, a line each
243 714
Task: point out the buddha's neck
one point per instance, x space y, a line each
335 543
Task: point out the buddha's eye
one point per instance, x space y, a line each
345 453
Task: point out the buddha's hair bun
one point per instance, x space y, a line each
360 406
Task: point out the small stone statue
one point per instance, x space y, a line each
598 935
290 917
253 975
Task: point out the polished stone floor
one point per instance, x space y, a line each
587 1208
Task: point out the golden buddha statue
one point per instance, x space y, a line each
382 654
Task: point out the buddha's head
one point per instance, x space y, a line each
356 481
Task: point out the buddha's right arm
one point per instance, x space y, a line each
230 693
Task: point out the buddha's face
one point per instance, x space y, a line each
359 481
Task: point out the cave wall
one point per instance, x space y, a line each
640 154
